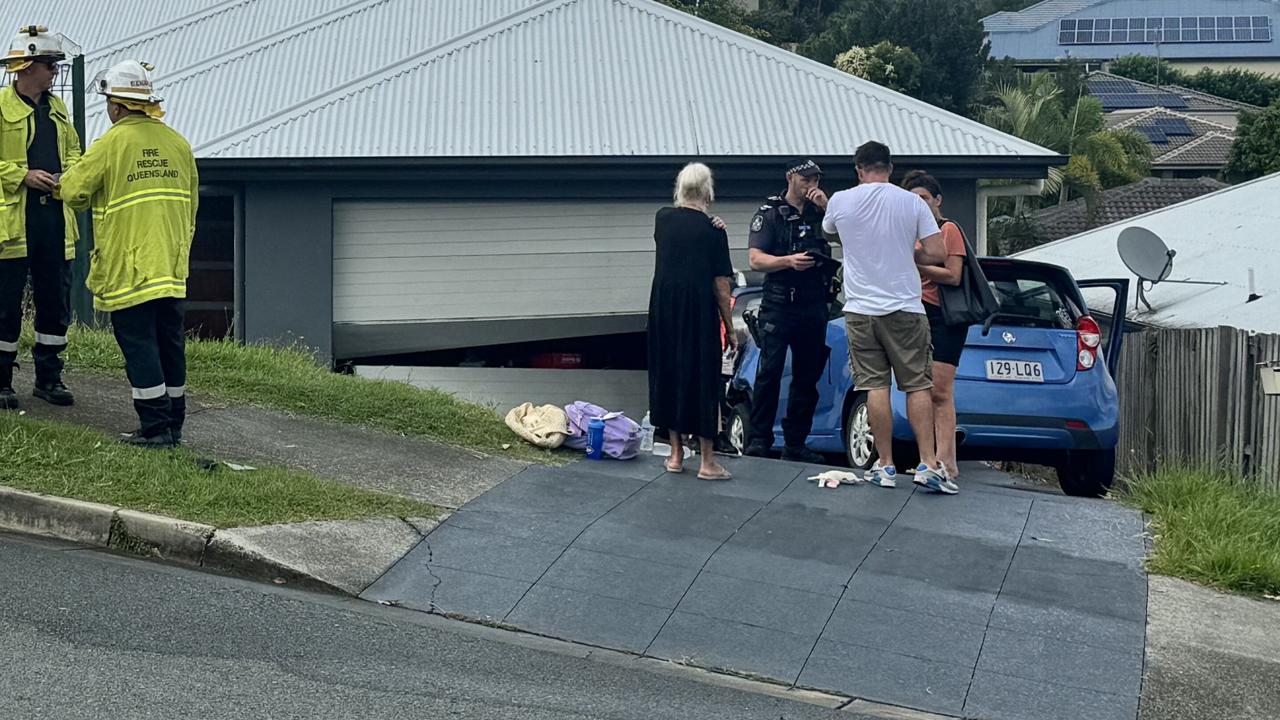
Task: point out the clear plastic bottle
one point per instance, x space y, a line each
646 434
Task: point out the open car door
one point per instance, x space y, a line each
1108 310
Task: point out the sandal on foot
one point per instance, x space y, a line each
673 469
722 475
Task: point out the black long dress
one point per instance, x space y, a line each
684 322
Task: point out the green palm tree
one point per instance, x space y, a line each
1035 110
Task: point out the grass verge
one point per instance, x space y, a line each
1212 528
289 379
65 460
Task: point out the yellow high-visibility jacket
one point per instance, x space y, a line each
140 178
17 131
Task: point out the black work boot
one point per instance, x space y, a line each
53 392
8 398
160 441
177 418
756 449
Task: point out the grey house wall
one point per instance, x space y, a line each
289 232
1042 43
288 266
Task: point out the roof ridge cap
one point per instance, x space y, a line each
1145 114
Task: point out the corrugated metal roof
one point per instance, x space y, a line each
98 25
1218 237
1035 16
288 62
498 78
546 82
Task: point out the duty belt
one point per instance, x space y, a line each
790 295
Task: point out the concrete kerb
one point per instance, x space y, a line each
57 517
99 525
192 544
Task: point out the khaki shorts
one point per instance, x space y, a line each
899 342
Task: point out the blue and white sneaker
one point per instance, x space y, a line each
934 479
884 476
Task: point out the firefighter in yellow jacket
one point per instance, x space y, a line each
37 233
140 180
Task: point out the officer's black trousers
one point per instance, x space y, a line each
50 273
802 328
151 338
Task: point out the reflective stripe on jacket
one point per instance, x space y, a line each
17 132
140 179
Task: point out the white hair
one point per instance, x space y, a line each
694 186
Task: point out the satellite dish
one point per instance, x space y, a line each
1145 254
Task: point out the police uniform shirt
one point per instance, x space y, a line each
779 229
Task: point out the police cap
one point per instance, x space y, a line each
806 167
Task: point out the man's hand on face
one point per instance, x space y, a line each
817 197
799 261
39 180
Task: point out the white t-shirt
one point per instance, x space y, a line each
879 225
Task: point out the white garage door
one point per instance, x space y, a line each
425 261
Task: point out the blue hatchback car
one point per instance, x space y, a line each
1035 383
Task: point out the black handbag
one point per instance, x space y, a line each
972 301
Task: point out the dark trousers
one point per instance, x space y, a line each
50 273
151 337
802 329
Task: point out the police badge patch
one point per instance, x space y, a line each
756 223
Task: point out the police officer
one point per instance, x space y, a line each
786 233
37 233
140 179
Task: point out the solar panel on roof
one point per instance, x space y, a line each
1174 127
1169 100
1152 133
1116 101
1111 86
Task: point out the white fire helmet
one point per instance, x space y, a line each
128 80
35 43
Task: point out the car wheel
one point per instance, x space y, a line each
739 421
859 444
1087 473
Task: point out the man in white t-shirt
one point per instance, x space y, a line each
879 224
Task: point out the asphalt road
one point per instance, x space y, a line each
86 634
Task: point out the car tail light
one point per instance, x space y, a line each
1088 339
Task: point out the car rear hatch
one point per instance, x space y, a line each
1033 338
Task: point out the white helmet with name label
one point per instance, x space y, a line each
128 80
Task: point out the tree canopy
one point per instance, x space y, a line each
945 34
1256 150
884 63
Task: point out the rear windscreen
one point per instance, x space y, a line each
1032 296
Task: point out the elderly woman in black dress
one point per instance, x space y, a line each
688 306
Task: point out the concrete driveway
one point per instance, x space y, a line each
996 603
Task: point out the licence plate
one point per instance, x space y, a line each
1015 371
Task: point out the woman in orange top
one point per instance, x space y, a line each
948 340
